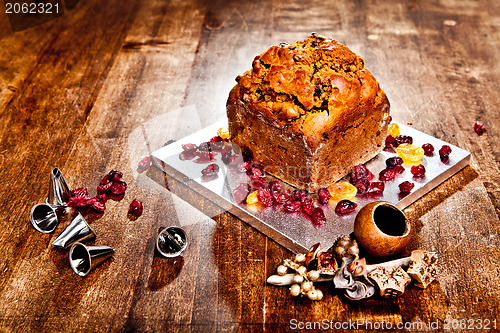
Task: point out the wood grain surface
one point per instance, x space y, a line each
109 82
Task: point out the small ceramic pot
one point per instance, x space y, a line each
382 229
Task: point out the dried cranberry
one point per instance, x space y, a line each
389 141
292 206
101 197
278 197
264 196
244 167
307 207
387 175
81 201
104 188
204 146
99 206
324 195
81 191
118 187
402 139
115 175
428 149
226 155
345 207
358 172
478 127
418 171
241 192
209 177
144 164
275 186
247 154
445 151
136 207
187 155
258 183
256 173
235 160
216 139
362 186
106 179
189 146
204 157
375 188
318 216
391 162
298 194
217 145
406 187
212 168
389 119
399 169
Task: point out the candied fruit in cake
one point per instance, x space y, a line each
342 191
393 130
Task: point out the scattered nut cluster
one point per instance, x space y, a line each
303 279
345 246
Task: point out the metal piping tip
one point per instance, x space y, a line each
43 217
59 192
85 258
77 231
171 242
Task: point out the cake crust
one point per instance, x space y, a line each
308 112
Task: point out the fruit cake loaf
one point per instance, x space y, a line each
308 112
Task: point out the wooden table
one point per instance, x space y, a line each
109 82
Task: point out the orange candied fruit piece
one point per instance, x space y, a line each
252 198
393 130
342 191
410 154
223 132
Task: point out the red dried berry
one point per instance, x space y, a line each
226 156
104 188
115 175
204 146
136 207
345 207
99 206
275 186
258 183
101 197
292 206
189 146
278 197
402 139
389 119
187 155
209 177
375 188
241 192
391 162
217 145
428 149
264 196
406 187
106 179
318 216
144 164
362 186
210 169
81 201
324 195
298 194
216 139
118 187
389 141
387 175
445 151
307 208
418 170
244 167
81 191
399 169
359 172
478 127
256 173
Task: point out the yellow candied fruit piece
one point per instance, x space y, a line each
342 191
252 198
223 132
393 130
410 154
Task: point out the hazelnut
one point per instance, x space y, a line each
295 290
281 270
298 278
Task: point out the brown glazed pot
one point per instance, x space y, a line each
382 229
